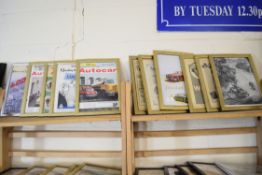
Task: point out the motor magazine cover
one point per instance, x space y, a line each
98 86
15 90
35 87
65 90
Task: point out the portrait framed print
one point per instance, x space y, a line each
236 81
185 170
149 171
192 84
64 88
48 100
33 100
13 171
202 168
150 86
138 94
171 170
15 90
36 170
170 80
98 90
207 83
89 169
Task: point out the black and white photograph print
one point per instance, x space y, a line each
238 82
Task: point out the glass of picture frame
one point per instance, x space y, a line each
139 101
15 90
171 170
149 171
89 169
98 88
207 83
33 99
170 80
237 81
13 171
192 84
202 168
150 86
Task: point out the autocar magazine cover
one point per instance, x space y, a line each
98 86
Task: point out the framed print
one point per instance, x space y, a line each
150 85
206 168
207 83
193 88
59 170
36 170
2 75
33 99
99 86
236 81
13 171
171 170
89 169
48 100
170 80
185 170
149 171
65 88
15 89
138 94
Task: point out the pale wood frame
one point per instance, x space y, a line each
158 78
204 86
193 107
87 164
225 107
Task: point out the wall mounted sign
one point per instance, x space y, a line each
206 15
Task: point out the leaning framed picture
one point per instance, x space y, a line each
139 101
193 88
15 89
89 169
64 88
207 83
98 90
13 171
236 81
185 170
33 100
48 100
150 86
149 171
60 170
36 170
202 168
170 80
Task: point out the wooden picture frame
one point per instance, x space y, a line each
55 170
13 171
33 99
40 170
207 83
170 81
150 86
192 84
171 170
67 74
139 101
202 168
90 168
185 170
102 79
147 171
16 84
237 81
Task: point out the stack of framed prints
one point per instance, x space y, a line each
82 87
176 82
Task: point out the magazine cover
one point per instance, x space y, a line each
34 89
48 88
98 86
15 90
65 89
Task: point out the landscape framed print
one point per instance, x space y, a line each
150 86
193 88
48 100
99 86
202 168
89 169
64 88
59 170
149 171
236 81
15 90
138 94
33 99
207 83
170 80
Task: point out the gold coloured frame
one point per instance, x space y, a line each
210 106
149 102
193 106
25 97
160 90
106 111
218 86
134 87
76 170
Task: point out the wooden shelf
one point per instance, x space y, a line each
197 116
22 121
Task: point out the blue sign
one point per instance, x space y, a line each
209 15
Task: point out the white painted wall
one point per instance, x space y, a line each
33 30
